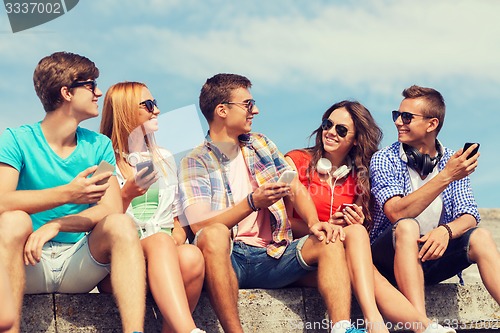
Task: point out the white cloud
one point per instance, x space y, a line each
380 44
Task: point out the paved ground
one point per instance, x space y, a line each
490 220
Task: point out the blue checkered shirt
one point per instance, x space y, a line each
390 177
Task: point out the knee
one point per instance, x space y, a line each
15 227
481 243
356 232
191 260
119 227
332 251
407 230
214 239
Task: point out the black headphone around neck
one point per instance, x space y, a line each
422 163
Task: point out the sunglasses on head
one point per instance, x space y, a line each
91 85
248 104
149 104
341 130
406 117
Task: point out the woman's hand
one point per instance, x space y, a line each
138 185
353 215
337 219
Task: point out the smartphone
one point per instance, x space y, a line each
146 164
344 206
287 176
474 152
103 167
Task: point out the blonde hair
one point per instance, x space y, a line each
119 121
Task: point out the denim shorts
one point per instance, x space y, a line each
65 268
256 269
454 260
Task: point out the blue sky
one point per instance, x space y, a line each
301 56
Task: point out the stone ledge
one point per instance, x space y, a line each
467 308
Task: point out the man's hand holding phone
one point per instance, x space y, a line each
470 153
89 190
463 162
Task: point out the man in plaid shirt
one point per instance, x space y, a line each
425 215
229 188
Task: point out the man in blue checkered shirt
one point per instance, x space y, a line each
425 215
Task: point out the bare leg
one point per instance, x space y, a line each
220 278
484 252
193 272
15 228
7 310
333 276
395 306
359 262
115 240
165 281
407 267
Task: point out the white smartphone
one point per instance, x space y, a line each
287 176
103 167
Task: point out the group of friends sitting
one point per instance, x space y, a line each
342 215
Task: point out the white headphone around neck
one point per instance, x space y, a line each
133 158
324 166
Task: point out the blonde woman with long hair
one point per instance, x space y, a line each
148 179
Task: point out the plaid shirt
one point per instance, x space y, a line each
390 177
203 178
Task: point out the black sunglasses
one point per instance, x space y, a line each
341 130
149 104
87 84
248 104
406 117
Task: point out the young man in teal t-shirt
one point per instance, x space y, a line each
59 228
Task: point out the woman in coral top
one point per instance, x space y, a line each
335 172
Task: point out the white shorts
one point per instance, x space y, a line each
65 268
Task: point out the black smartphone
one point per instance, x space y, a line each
474 152
145 164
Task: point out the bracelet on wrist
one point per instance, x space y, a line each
447 227
251 203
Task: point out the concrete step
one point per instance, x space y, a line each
466 308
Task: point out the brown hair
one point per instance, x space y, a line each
434 102
217 90
58 70
368 137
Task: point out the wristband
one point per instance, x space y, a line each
251 203
447 227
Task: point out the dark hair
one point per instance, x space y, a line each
59 70
434 102
217 90
368 138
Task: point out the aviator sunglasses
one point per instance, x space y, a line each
87 84
341 130
149 104
406 117
248 104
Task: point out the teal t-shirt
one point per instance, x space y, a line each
25 149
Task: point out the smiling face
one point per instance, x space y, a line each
417 130
335 144
148 119
84 100
238 119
